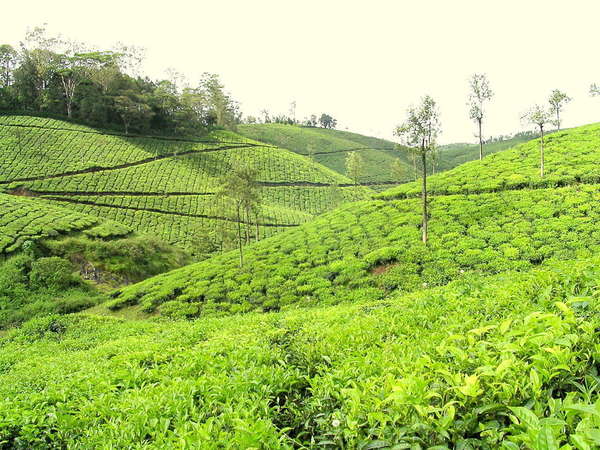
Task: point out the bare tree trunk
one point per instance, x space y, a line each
542 152
414 158
239 233
558 120
480 141
257 230
424 194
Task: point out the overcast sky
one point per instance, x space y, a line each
364 62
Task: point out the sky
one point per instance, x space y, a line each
363 62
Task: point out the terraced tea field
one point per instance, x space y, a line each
161 186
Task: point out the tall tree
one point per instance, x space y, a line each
594 90
8 63
480 93
538 116
241 188
133 110
419 131
558 100
354 166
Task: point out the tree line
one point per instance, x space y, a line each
52 75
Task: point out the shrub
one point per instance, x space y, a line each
52 272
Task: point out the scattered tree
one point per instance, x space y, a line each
242 189
594 90
398 170
479 94
420 131
558 100
310 151
538 116
8 63
354 166
327 121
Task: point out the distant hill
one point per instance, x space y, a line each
331 147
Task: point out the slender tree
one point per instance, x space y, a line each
8 63
241 188
538 116
480 93
558 100
354 166
419 132
310 151
594 90
397 170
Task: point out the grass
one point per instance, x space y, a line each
161 186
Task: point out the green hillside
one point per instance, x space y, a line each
452 155
165 187
570 157
331 148
474 364
347 331
53 259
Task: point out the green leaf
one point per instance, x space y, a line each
526 416
546 440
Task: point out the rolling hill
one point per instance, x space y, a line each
347 331
165 187
330 148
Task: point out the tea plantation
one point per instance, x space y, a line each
342 331
570 157
508 361
330 148
161 186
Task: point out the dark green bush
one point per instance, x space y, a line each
52 272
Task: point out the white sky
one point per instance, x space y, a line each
364 62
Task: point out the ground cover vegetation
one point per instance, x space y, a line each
507 361
53 259
367 249
570 157
463 319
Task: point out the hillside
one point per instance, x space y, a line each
570 157
347 331
165 187
473 364
54 260
331 147
453 155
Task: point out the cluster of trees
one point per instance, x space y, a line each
57 76
323 121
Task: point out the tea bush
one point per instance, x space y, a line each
505 361
160 186
375 247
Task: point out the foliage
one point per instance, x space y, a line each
336 257
52 74
486 362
